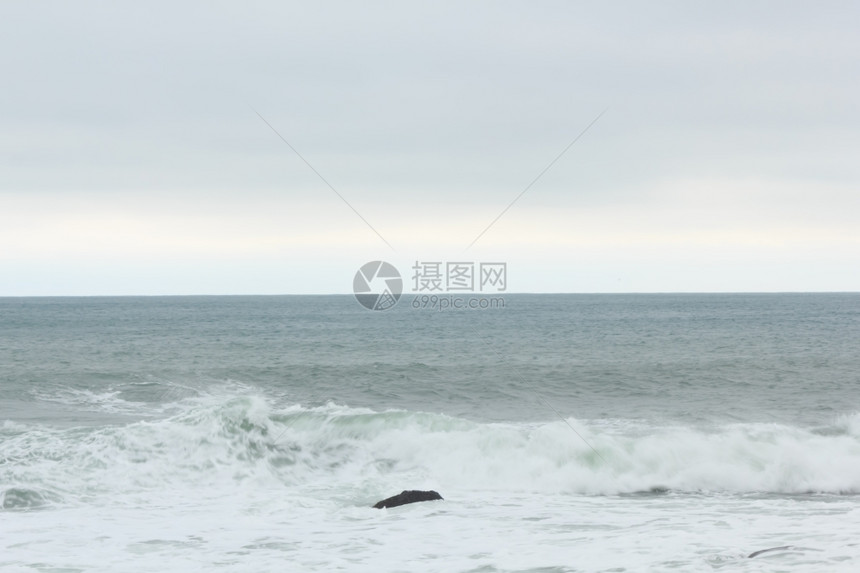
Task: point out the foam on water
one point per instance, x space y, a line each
298 483
245 438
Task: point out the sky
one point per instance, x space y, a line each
135 159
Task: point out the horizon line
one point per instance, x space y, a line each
443 294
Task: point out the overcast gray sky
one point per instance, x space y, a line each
133 161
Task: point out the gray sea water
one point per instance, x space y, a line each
566 433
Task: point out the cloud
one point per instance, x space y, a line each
128 131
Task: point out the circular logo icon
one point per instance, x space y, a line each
377 285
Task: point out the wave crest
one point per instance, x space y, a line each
246 440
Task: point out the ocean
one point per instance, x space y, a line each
673 432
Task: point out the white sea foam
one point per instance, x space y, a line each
240 484
245 438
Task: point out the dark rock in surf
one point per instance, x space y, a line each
410 496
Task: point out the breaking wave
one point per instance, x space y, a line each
246 441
